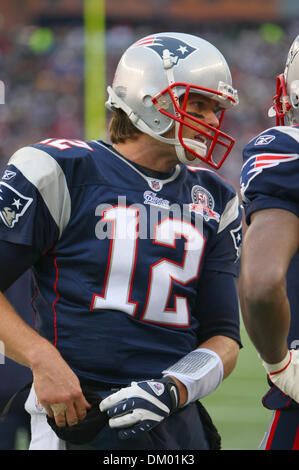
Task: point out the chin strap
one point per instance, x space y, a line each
198 147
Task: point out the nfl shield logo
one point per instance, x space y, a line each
157 388
13 204
156 185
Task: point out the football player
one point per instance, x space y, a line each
270 262
134 249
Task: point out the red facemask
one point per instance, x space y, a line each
216 141
281 102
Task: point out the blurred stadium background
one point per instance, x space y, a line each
56 57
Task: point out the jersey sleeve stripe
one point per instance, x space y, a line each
47 176
230 213
290 131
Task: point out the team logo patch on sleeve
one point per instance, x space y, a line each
257 163
13 204
237 240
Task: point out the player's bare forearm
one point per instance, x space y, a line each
267 321
22 343
270 243
227 349
54 381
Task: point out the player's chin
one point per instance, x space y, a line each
193 159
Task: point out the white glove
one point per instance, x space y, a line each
285 374
142 406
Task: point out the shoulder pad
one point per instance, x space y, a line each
46 175
64 148
275 140
212 176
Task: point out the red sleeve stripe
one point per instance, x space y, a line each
264 160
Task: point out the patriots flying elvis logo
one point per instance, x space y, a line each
13 204
237 240
178 49
256 164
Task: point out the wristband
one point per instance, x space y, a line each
273 369
201 371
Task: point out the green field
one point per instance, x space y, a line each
236 406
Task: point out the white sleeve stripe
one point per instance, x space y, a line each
290 131
46 175
230 213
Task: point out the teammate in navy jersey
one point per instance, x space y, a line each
270 260
134 249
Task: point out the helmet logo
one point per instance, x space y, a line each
178 49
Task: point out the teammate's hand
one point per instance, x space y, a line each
285 374
142 406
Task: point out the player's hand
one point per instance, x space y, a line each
58 388
285 374
142 406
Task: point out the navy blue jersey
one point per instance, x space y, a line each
270 179
121 260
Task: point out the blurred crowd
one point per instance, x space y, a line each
43 73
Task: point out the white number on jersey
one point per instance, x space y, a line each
121 266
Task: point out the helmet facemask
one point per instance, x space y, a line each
286 100
281 104
212 145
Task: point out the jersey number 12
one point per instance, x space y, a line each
122 261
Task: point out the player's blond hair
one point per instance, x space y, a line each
121 128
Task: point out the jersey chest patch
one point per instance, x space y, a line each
203 203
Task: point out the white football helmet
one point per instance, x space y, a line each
153 76
286 101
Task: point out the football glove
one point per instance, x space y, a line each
141 406
285 374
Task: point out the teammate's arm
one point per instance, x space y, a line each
270 242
